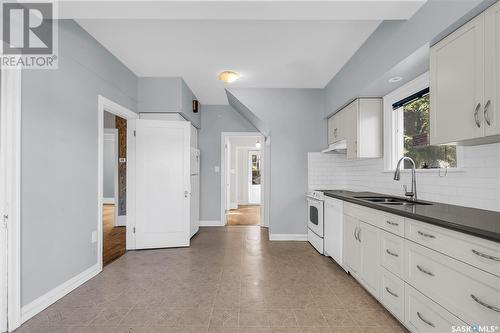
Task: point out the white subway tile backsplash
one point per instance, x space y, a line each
477 185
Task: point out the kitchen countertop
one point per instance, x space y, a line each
472 221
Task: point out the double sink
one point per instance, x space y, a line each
391 201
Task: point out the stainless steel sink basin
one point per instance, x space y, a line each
392 201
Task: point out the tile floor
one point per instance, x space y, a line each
230 280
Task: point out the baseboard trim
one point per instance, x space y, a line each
210 223
41 303
288 237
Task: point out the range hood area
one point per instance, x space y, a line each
337 147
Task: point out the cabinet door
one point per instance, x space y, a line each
351 244
370 258
331 126
457 84
492 72
333 228
351 126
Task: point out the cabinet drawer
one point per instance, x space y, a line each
469 293
423 315
475 251
393 223
392 293
392 253
365 214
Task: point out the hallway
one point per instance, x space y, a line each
244 215
231 279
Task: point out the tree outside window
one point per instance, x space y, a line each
416 138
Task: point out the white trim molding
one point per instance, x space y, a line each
44 301
10 187
288 237
104 104
210 223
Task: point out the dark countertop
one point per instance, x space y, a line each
472 221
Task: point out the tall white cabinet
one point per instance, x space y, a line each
464 82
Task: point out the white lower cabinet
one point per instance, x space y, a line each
430 278
423 315
392 292
368 237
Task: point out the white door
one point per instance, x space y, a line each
162 184
492 73
368 237
457 84
351 247
195 204
254 176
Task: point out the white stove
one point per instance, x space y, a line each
315 225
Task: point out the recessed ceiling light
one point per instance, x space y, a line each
395 79
229 76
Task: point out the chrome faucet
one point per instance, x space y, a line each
397 176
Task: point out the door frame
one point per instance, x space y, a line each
114 134
264 148
10 197
105 104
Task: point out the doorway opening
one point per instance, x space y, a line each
243 179
114 179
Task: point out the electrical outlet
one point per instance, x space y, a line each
94 236
217 169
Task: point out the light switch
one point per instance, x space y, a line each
217 169
94 236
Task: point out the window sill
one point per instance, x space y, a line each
431 171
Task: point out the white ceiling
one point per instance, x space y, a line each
268 52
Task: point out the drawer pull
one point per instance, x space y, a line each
487 256
424 320
390 292
424 271
491 307
392 223
425 234
391 253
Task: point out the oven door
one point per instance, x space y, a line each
315 216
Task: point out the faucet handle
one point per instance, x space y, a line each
408 194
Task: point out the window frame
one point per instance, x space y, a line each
394 127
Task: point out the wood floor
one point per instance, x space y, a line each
244 215
114 238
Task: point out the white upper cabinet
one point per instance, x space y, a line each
492 72
464 82
360 125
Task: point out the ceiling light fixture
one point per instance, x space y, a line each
395 79
229 76
257 144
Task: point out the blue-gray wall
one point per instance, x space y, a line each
294 118
216 119
167 94
59 158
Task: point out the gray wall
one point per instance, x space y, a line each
294 118
391 43
216 119
171 94
59 158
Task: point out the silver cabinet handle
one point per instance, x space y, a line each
424 320
423 270
356 233
391 253
491 307
486 117
390 292
392 223
425 234
487 256
359 235
476 118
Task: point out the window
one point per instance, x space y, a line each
408 109
255 169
